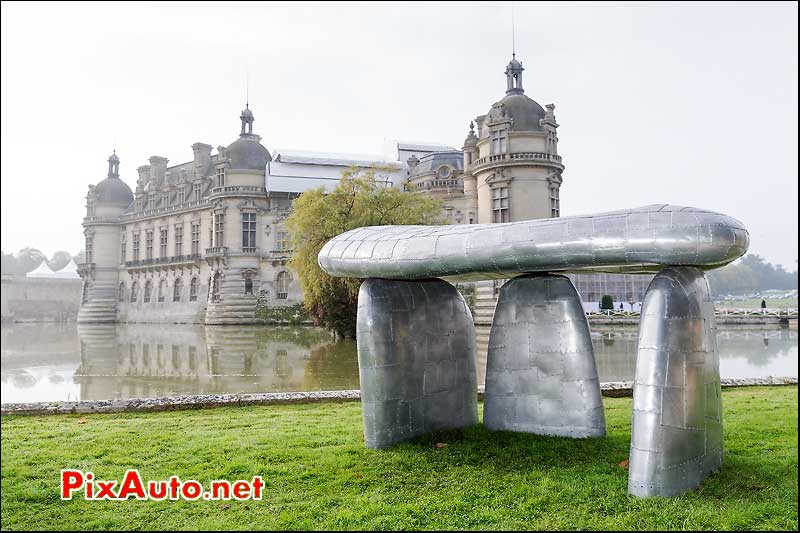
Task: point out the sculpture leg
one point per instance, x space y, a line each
541 375
676 438
416 360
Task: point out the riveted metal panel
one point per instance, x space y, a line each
541 375
636 240
675 442
416 358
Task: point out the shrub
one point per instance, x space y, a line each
606 303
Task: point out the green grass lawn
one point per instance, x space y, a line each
319 476
755 303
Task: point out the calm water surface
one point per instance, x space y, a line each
49 362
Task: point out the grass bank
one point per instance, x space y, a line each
319 476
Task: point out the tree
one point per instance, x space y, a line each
28 259
607 303
751 273
60 259
360 199
9 264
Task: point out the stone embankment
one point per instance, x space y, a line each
202 401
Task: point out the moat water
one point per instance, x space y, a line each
51 362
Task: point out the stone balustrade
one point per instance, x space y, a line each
237 189
217 251
517 156
163 261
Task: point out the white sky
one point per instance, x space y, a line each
689 104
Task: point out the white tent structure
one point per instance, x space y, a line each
41 271
70 271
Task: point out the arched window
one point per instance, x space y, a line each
121 296
162 288
177 290
282 285
134 291
193 290
148 288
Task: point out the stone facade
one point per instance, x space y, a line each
509 170
205 241
198 242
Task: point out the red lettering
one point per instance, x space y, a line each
71 480
106 490
157 490
221 486
191 490
258 484
174 485
241 490
131 486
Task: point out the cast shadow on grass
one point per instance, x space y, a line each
511 451
505 452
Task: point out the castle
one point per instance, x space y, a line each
205 242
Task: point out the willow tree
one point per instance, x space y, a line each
362 198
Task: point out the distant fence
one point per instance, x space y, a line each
789 312
722 312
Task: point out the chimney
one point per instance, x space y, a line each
144 175
158 166
202 156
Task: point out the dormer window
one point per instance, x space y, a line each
196 192
444 171
181 196
164 199
220 176
151 201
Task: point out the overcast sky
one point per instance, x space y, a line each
689 104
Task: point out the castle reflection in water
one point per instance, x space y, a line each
49 362
142 361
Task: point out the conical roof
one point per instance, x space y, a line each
41 271
70 271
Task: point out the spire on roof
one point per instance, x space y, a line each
514 77
247 120
113 165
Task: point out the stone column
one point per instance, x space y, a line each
541 376
676 437
416 359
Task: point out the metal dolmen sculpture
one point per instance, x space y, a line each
416 339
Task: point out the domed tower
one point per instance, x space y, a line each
238 199
105 203
517 167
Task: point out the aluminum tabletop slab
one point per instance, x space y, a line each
642 240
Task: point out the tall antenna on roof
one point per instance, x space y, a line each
513 41
247 88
